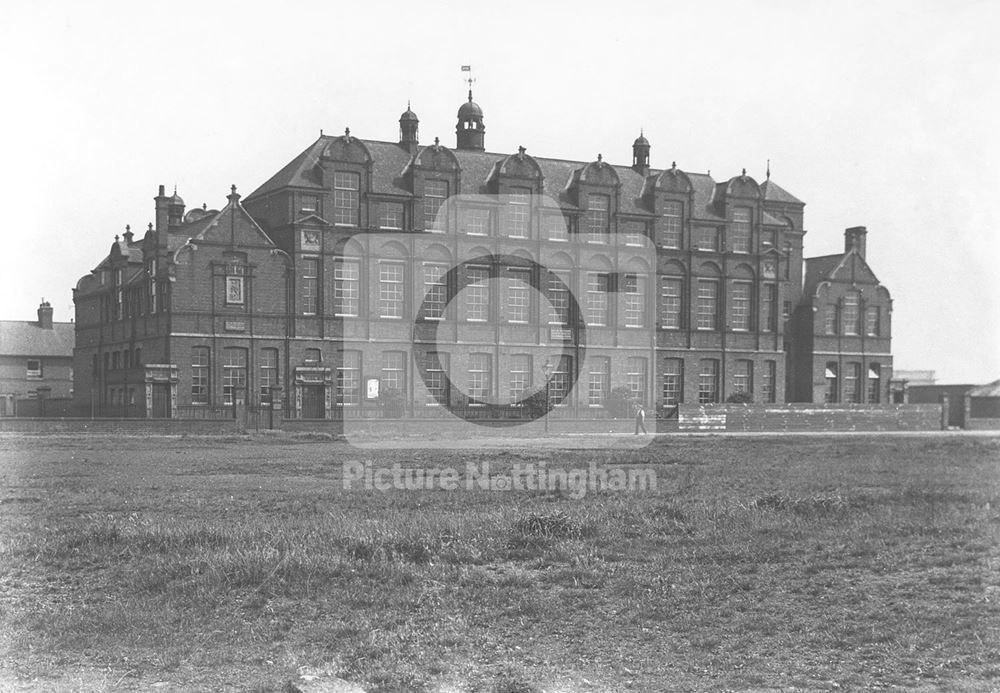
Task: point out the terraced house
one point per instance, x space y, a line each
370 272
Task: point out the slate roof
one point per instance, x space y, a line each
818 269
25 338
988 390
389 160
773 192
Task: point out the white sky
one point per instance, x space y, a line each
876 114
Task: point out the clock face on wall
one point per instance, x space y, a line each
310 239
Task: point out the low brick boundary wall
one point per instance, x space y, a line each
166 427
809 417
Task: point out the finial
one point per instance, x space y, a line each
150 228
116 238
347 133
407 104
321 132
175 188
204 205
673 165
642 132
127 228
744 173
521 150
437 141
600 158
470 95
232 189
769 169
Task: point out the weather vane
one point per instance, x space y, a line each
470 79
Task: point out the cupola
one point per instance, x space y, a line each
408 128
640 154
470 129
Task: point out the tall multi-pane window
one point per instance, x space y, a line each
768 302
349 378
346 198
477 294
390 289
707 238
476 221
852 379
310 285
556 227
634 232
874 383
671 303
634 298
598 377
519 213
518 294
199 375
598 218
872 321
390 215
743 377
434 291
520 377
557 291
394 371
480 376
740 308
832 391
851 317
234 375
739 232
560 379
672 214
636 377
708 381
673 381
598 284
830 319
768 382
708 304
346 275
435 193
267 374
437 380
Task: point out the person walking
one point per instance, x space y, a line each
640 419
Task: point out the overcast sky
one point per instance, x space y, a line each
875 114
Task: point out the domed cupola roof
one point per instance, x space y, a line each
641 141
408 115
470 109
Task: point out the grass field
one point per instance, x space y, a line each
757 563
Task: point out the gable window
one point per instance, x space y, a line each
34 369
519 213
390 215
739 239
390 289
672 214
199 375
476 221
346 275
346 198
234 282
598 218
310 286
851 318
435 193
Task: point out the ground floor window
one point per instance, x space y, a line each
673 381
349 378
234 375
874 384
708 381
832 382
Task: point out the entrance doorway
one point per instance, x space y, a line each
313 402
161 401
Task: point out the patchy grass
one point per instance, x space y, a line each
848 563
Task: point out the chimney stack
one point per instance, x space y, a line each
162 210
854 237
45 315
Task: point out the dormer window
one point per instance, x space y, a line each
598 218
672 213
435 193
519 218
739 239
346 198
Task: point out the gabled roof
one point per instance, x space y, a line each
25 338
772 192
828 267
988 390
